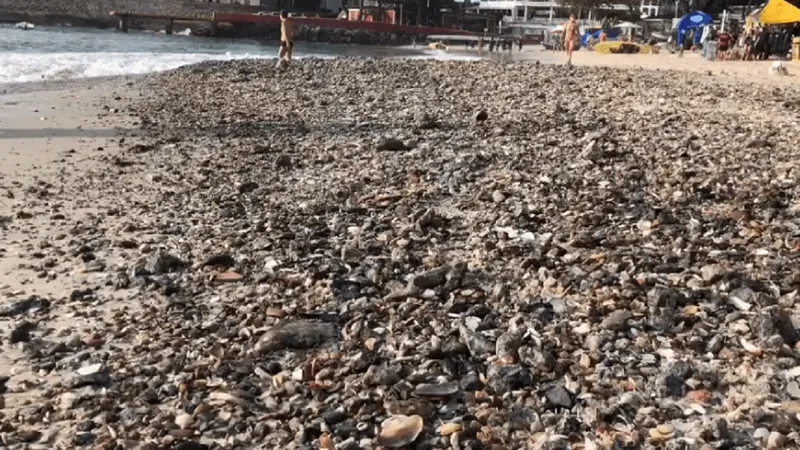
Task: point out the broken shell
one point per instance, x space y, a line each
397 431
184 421
665 428
449 428
325 442
436 390
750 348
228 277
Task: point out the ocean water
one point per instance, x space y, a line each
57 53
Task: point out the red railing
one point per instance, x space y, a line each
336 23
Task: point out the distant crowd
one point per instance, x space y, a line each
752 43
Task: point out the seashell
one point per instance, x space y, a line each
398 431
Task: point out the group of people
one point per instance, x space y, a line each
501 45
753 43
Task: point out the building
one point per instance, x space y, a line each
519 10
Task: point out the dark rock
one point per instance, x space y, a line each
507 378
283 161
471 382
673 382
300 334
81 294
333 417
380 376
94 379
558 396
30 304
162 262
392 145
21 332
219 260
431 278
477 344
190 445
616 320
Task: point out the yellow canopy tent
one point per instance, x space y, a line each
779 11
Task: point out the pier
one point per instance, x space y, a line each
169 21
274 19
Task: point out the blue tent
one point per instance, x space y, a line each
693 20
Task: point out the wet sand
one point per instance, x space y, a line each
50 136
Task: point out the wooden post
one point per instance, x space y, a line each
214 24
123 23
169 26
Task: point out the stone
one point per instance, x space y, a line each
161 262
21 332
507 378
559 397
712 273
380 376
431 278
302 334
392 145
616 320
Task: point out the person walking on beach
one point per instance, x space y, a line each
570 32
285 52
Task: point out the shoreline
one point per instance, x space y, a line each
757 71
376 234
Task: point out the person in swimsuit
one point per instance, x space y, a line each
285 52
570 32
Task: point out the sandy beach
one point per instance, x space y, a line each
362 254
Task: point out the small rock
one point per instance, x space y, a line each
793 389
482 116
507 378
431 278
29 305
21 332
223 260
380 376
392 145
301 334
161 262
712 272
761 433
616 320
184 421
775 440
283 161
477 344
558 396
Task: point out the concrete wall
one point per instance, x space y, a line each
97 10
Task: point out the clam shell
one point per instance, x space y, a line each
397 431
